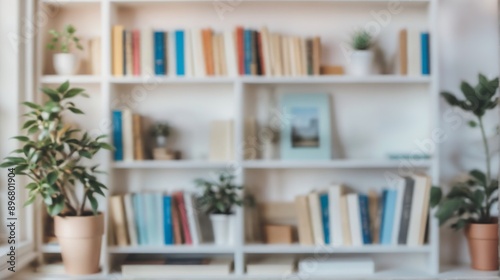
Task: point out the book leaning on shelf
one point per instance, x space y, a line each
340 218
203 52
158 219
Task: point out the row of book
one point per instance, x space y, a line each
158 219
128 136
200 53
414 52
337 217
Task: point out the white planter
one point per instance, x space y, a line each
223 227
65 63
161 141
361 63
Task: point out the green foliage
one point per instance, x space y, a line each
470 201
52 153
221 196
361 40
160 129
64 39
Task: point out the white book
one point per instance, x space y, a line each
337 266
192 217
334 195
285 55
230 51
303 57
400 189
276 266
266 51
147 52
171 55
160 229
414 53
293 58
129 60
188 54
316 221
130 217
127 135
354 219
419 201
198 57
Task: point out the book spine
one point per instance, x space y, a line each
240 50
179 48
146 52
136 49
406 211
159 46
261 66
309 58
149 214
117 135
254 67
118 219
124 52
424 38
117 50
139 219
304 221
248 51
403 52
129 214
383 206
176 225
323 198
316 55
389 216
365 219
208 51
167 220
354 219
230 52
179 198
127 135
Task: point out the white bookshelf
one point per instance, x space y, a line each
210 98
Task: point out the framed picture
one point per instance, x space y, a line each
306 130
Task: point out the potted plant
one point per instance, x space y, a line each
65 63
160 132
53 156
469 202
218 200
362 56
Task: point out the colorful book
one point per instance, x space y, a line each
137 134
208 51
179 52
192 217
176 224
374 215
388 209
167 220
406 211
159 53
426 67
136 52
179 199
248 51
403 52
365 218
316 55
240 46
254 66
323 198
140 221
398 209
117 135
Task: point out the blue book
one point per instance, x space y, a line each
179 52
426 61
140 221
149 207
248 50
323 199
388 217
365 219
117 135
167 220
382 207
159 52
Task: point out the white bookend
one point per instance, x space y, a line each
127 135
400 189
414 53
337 266
230 52
147 52
316 221
194 225
334 195
171 55
198 57
130 217
418 205
354 219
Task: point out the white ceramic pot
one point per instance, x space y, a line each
220 225
231 229
361 63
161 141
65 63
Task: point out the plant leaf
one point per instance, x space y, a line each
73 92
63 87
436 195
75 110
479 176
52 94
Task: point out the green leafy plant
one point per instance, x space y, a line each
361 40
160 129
52 155
470 201
64 39
219 197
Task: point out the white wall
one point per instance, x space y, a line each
469 44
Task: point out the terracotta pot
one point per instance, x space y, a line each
80 240
483 245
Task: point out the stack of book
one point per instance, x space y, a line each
127 136
340 218
158 219
201 53
414 53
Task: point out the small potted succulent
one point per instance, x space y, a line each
53 156
65 62
469 203
160 132
362 56
218 200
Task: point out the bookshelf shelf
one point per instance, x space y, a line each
175 249
280 1
340 164
51 248
171 80
301 249
171 164
77 79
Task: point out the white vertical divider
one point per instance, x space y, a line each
435 118
239 256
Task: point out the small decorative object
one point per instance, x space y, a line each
362 56
306 129
160 132
65 63
332 70
53 157
469 203
163 154
219 198
278 234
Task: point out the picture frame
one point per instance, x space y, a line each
306 131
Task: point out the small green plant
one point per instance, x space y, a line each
470 201
53 154
64 39
219 197
361 40
160 129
